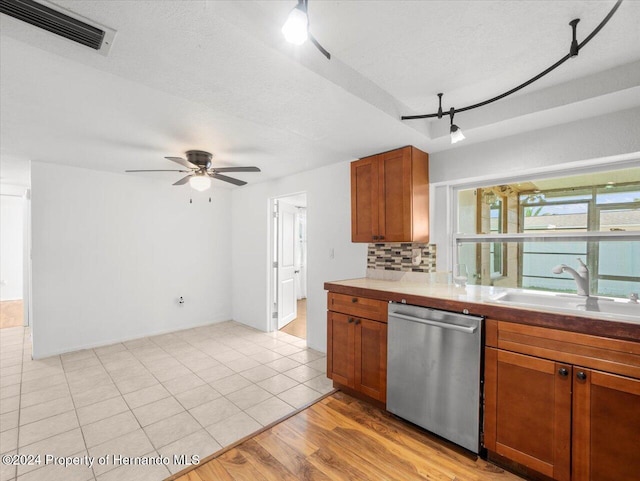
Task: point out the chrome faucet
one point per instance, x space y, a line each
581 276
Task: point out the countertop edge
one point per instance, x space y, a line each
566 322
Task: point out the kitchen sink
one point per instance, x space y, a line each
549 300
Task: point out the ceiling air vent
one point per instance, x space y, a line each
73 28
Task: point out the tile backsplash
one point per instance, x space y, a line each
397 257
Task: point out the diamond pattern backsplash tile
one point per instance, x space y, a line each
397 257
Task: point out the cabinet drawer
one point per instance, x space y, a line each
610 355
358 306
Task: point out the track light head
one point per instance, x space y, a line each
296 28
456 134
454 130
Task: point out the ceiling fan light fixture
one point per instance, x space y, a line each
200 182
296 27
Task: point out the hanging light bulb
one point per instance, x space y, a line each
296 28
455 131
200 182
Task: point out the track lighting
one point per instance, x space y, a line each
455 131
575 47
200 182
296 28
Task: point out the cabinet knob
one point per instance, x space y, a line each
354 299
375 237
350 320
563 372
381 237
581 375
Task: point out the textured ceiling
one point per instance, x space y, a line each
218 76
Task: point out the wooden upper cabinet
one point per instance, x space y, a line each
390 197
606 426
364 199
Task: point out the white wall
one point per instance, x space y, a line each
560 147
11 247
328 227
113 252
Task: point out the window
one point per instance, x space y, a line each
524 229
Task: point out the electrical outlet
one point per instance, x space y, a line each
416 257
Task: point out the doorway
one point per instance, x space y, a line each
289 253
13 250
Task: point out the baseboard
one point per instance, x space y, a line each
93 345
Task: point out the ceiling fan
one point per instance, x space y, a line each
200 171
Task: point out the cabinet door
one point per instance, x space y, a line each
528 411
340 352
606 426
364 199
394 201
371 358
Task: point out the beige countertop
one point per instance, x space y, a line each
480 300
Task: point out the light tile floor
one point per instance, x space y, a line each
189 392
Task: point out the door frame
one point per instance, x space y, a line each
272 292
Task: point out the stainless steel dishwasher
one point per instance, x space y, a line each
433 371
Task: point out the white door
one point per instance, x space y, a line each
287 299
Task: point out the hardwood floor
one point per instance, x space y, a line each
11 313
341 438
298 327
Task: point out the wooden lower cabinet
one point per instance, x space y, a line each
606 426
556 417
527 414
371 358
340 349
357 354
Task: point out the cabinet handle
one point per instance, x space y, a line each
581 375
357 321
563 372
350 320
381 237
354 299
375 237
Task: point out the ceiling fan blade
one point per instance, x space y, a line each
156 170
235 169
319 47
182 161
183 181
231 180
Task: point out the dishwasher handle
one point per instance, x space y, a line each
444 325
